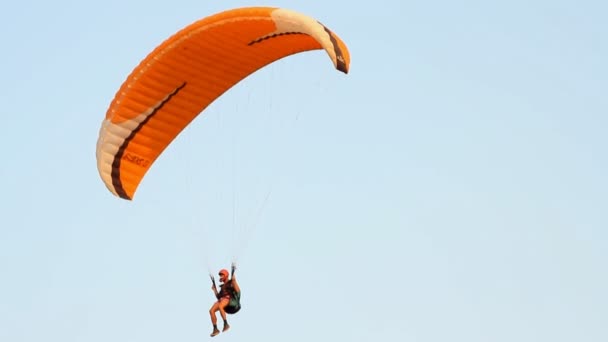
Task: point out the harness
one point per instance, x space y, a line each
234 305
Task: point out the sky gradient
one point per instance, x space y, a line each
451 187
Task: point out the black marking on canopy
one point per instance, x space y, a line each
340 62
274 35
116 182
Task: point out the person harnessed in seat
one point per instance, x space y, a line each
228 299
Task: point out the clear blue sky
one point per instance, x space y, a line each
451 187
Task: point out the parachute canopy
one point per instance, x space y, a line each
187 72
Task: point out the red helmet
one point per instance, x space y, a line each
224 272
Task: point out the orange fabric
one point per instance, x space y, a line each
187 72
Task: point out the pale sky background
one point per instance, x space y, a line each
451 187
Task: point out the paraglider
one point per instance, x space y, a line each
228 299
187 72
183 76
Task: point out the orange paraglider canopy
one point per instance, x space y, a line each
187 72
